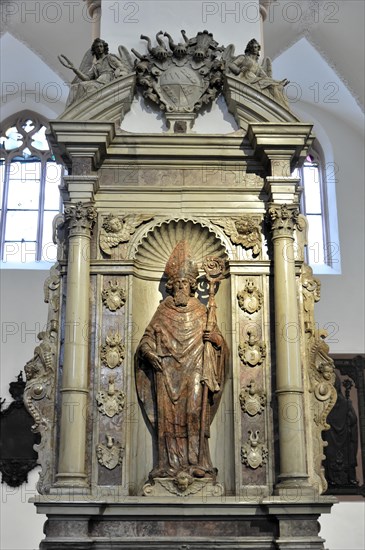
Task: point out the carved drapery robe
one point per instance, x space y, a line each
102 72
172 399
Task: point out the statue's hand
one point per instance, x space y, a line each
154 360
66 62
213 337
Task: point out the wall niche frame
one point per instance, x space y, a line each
345 453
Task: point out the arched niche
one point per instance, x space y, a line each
152 250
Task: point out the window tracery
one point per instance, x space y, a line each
29 197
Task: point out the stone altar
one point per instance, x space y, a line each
130 199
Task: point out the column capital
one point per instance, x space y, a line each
280 145
80 219
283 219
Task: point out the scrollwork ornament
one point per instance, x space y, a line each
252 399
111 454
322 379
114 297
253 351
283 219
112 401
254 453
80 218
250 298
113 351
39 401
323 398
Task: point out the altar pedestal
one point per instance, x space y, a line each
142 523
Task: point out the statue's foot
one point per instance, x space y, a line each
197 472
162 472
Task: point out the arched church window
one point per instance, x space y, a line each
29 198
320 251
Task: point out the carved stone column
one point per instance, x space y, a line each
71 470
289 382
94 8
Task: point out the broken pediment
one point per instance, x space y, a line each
179 80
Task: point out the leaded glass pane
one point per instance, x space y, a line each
12 139
312 190
39 140
24 194
21 225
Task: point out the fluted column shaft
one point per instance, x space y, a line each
74 391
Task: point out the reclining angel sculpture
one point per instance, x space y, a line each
98 67
248 68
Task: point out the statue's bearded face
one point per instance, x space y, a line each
181 291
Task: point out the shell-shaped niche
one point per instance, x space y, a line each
157 245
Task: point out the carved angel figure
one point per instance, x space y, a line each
118 230
242 230
248 68
92 75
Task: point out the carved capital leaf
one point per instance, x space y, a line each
80 218
283 219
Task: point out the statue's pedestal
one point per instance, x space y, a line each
146 523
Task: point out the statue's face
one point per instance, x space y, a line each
99 49
115 225
181 291
256 48
181 285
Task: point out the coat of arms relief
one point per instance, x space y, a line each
180 78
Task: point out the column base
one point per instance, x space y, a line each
296 485
69 480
